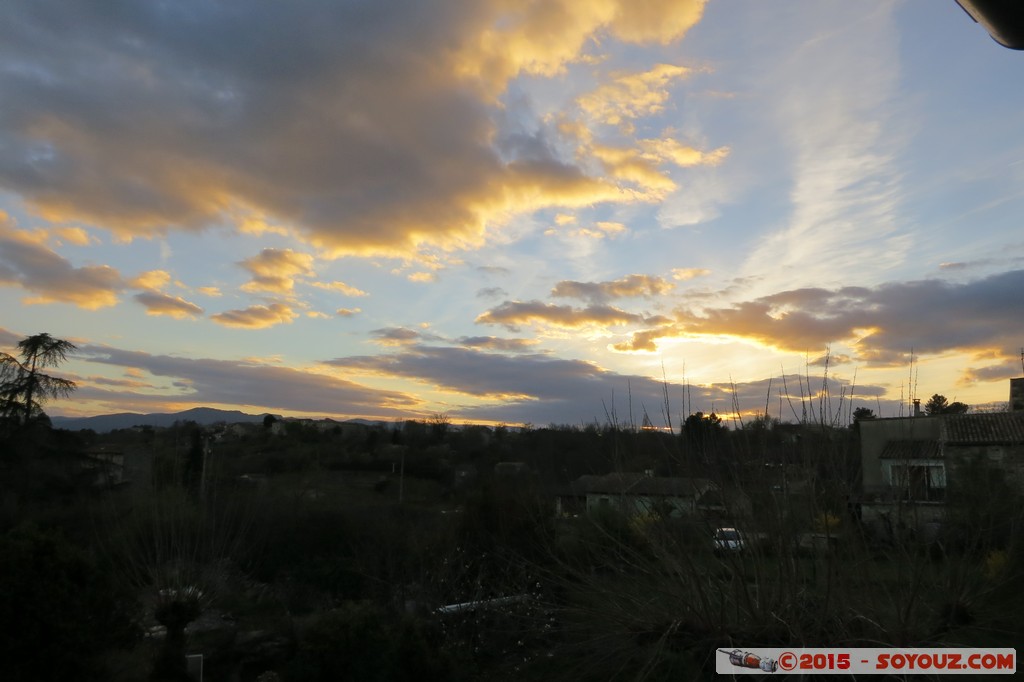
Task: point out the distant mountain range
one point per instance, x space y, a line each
126 420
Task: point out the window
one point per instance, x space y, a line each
919 481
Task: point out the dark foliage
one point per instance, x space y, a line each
62 612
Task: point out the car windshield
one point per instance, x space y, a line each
728 534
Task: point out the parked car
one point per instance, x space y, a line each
727 540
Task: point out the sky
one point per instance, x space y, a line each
513 211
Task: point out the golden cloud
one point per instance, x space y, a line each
631 286
685 274
340 287
632 95
670 150
352 153
157 303
540 38
275 270
511 314
152 279
256 316
74 235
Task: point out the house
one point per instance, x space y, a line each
103 467
908 462
511 469
106 466
642 493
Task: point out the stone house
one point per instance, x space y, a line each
908 462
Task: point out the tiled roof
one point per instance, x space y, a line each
911 449
995 427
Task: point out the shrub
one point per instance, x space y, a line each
65 612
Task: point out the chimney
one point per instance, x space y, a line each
917 407
1017 395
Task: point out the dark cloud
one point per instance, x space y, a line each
497 344
396 336
883 324
9 340
223 382
26 263
511 314
491 292
541 389
158 303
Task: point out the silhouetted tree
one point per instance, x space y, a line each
862 413
703 433
938 404
23 384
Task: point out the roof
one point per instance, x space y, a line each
642 484
911 449
977 429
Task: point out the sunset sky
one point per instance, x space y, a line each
512 211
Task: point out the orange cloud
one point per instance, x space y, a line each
256 316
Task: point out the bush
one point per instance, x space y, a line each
362 642
65 612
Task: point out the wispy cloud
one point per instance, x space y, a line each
846 187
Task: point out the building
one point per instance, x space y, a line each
909 462
642 494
